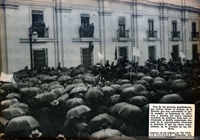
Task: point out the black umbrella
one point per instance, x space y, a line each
139 101
171 98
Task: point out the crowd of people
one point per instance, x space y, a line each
109 85
86 30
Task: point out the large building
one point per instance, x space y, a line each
75 31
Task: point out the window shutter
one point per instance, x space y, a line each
121 20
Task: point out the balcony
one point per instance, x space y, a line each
43 32
194 36
123 33
152 36
175 34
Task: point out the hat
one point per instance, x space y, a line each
35 134
54 103
60 136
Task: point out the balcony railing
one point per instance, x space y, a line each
123 33
152 34
43 32
195 34
175 34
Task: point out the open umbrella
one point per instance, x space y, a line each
68 88
89 79
54 86
74 102
139 75
105 133
114 99
122 87
115 87
64 79
99 120
129 111
159 85
10 113
21 106
78 89
21 123
142 82
128 92
114 109
149 79
8 87
124 81
145 93
93 92
77 111
63 99
179 86
46 97
6 103
13 95
3 122
76 81
139 101
30 91
25 84
59 91
108 91
171 98
44 86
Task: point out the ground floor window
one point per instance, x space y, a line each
195 52
87 57
152 53
123 51
40 58
175 53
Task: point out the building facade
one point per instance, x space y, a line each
73 32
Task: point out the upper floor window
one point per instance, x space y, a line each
122 25
151 32
38 24
86 29
195 34
175 33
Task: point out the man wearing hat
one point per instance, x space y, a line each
35 134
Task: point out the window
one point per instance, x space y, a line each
175 53
87 57
123 51
195 52
121 22
38 24
151 28
86 29
174 29
152 54
40 58
194 33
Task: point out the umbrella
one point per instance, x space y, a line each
25 84
46 97
10 113
145 111
139 87
6 103
129 75
158 79
21 106
89 79
128 92
63 99
44 86
171 98
13 95
35 80
77 89
159 85
64 78
122 87
59 91
99 120
145 93
178 76
139 101
79 76
139 75
3 122
156 96
114 109
114 99
124 81
2 91
130 111
54 86
154 72
21 123
142 82
74 102
179 86
149 79
8 87
93 92
77 111
115 87
108 91
105 133
76 81
30 91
